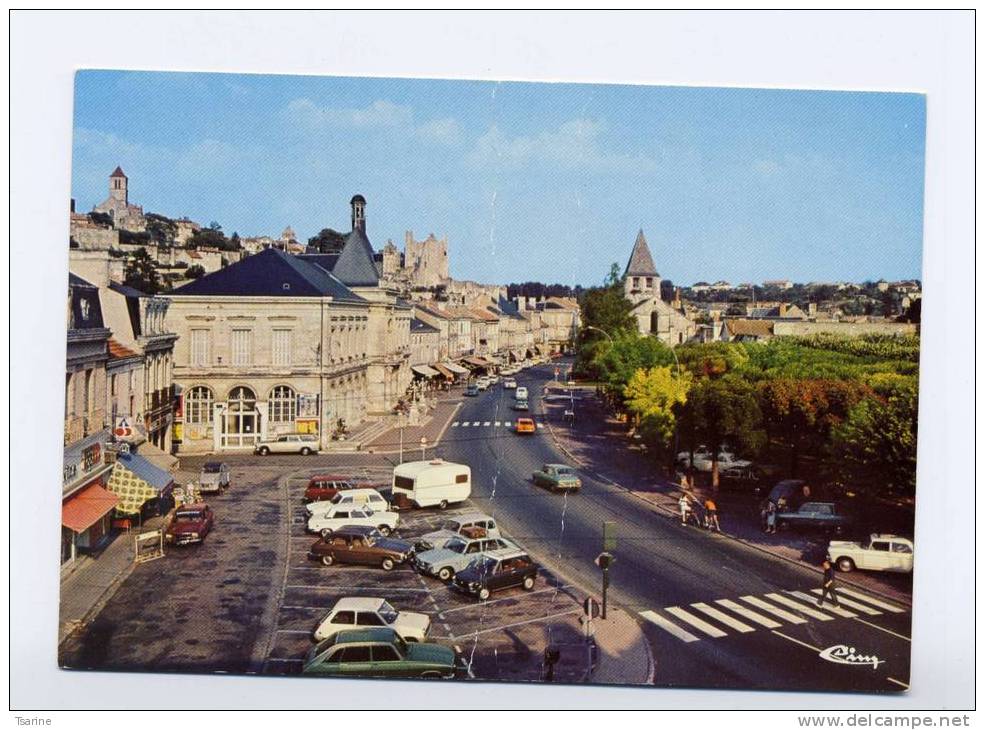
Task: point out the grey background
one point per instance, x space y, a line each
912 51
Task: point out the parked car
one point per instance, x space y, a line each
818 515
557 477
378 652
521 393
462 524
350 613
788 494
342 515
361 545
525 425
456 554
878 552
214 477
191 523
322 487
292 443
521 405
482 384
351 497
703 459
432 483
509 384
472 390
496 571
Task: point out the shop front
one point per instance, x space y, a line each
86 521
143 489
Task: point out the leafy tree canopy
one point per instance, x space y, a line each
328 241
141 273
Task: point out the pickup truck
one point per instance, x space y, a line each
879 552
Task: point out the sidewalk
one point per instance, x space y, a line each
93 582
590 442
432 430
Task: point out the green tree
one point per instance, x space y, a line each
328 240
617 362
161 229
875 448
211 237
722 411
653 396
604 309
141 273
195 272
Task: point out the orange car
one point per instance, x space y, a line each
525 425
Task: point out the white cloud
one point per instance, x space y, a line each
573 145
381 113
209 155
444 131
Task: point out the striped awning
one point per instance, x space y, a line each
425 371
444 371
83 510
136 481
457 369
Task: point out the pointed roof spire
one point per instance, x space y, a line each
118 172
640 261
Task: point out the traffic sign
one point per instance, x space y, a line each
123 429
591 607
608 536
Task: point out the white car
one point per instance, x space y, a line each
292 443
482 384
340 515
457 553
351 613
454 527
510 384
351 497
703 460
879 552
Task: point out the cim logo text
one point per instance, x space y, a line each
841 654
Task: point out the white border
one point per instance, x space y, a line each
926 52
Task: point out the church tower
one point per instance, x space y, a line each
641 280
358 204
118 187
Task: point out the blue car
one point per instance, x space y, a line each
472 390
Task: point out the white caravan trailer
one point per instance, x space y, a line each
432 483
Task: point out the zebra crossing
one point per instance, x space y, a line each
746 614
482 424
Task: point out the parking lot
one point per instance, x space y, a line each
503 638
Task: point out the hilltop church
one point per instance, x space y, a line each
641 284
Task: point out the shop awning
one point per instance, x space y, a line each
444 371
517 357
457 369
86 508
476 361
136 481
425 371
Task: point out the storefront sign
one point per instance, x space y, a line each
90 457
307 406
306 425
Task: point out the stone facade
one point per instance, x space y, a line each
117 206
641 285
425 262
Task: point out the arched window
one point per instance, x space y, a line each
282 405
198 405
242 400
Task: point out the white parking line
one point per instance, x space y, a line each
892 633
378 589
785 615
480 604
796 641
305 608
813 613
697 623
669 626
749 614
518 623
292 631
869 599
723 618
284 659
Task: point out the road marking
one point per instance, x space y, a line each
723 618
749 614
904 685
697 623
813 613
892 633
507 423
785 615
486 423
476 423
796 641
852 604
306 608
497 424
669 627
283 659
453 425
292 631
875 602
519 623
833 609
378 589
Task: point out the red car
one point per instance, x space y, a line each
191 523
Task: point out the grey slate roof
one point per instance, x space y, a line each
417 325
356 265
640 261
270 273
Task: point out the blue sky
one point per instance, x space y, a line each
542 182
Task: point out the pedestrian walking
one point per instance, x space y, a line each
770 518
711 515
828 584
685 506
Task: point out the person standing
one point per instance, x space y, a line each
685 506
828 584
770 518
711 515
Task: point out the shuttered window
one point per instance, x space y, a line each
281 347
201 346
242 341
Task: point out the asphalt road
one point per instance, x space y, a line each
661 565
